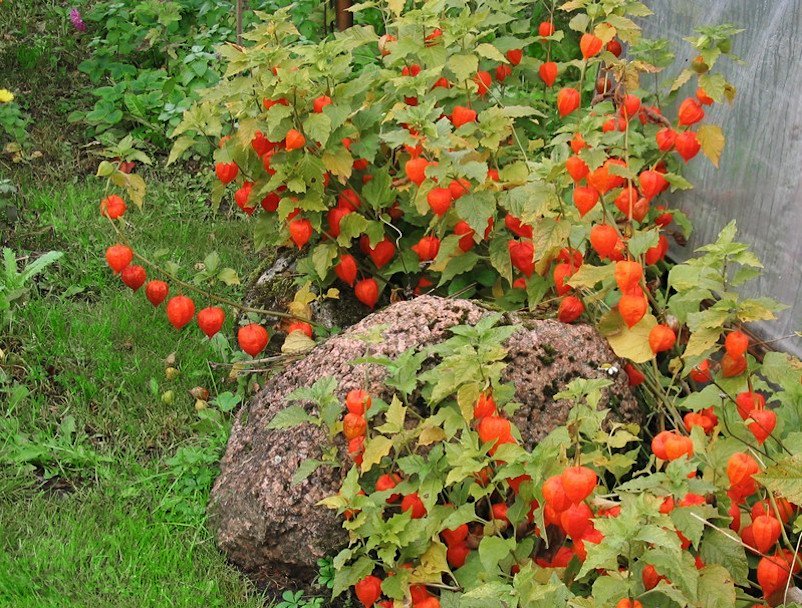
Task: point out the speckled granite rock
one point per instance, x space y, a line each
272 529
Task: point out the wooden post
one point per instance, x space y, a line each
345 18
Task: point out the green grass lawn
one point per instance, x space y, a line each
103 484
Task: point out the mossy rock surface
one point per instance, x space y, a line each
274 285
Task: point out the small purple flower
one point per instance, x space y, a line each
77 21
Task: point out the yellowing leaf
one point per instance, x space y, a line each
133 184
430 435
605 32
713 85
229 276
488 51
105 168
701 341
396 6
432 565
334 502
375 449
630 343
340 163
466 398
394 417
246 130
572 5
297 342
626 29
300 303
729 92
588 275
711 138
684 76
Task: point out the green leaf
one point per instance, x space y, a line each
396 586
211 261
579 22
677 182
38 265
181 145
500 258
476 208
608 589
530 201
536 288
701 342
304 470
463 66
690 521
678 566
339 162
488 51
289 417
716 588
351 226
723 547
494 594
464 514
278 121
350 576
602 555
105 169
643 240
519 170
458 265
317 127
784 478
394 418
685 277
378 192
492 550
550 235
495 127
322 257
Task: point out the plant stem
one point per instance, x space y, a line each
211 296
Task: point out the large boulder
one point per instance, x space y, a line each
273 530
